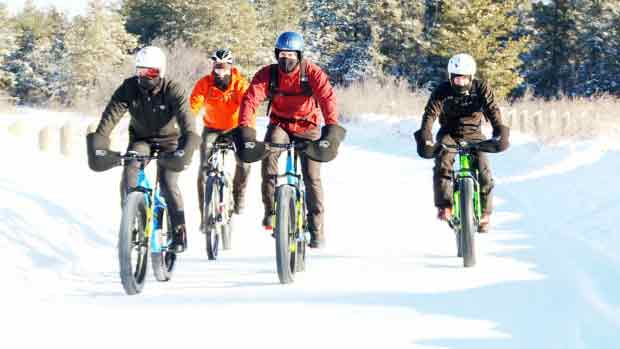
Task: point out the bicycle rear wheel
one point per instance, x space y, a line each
467 226
286 244
227 228
133 244
163 262
210 212
302 227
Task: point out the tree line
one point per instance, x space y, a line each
547 49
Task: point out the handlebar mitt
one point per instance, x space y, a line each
100 158
502 134
248 148
326 148
424 143
188 144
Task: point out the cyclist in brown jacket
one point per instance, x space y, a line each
460 104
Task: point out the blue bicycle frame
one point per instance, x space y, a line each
156 205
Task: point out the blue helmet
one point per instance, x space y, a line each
290 41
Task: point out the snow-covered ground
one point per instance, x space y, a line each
547 276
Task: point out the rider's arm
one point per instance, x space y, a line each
489 106
197 98
433 109
254 96
115 110
324 93
241 88
178 107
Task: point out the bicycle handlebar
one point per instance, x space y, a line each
223 145
293 144
463 145
133 155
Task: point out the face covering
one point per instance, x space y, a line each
222 82
148 84
287 64
460 89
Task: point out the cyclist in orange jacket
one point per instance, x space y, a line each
220 94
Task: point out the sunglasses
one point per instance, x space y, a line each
149 73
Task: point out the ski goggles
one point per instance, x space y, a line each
149 73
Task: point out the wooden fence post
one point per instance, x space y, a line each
45 138
66 139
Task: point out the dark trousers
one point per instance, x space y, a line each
311 171
168 181
242 169
443 172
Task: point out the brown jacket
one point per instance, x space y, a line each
461 115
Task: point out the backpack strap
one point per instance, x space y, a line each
275 80
273 85
303 78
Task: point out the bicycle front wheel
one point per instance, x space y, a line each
133 244
467 228
211 216
284 234
163 261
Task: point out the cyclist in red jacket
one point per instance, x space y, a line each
299 92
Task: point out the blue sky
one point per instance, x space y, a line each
72 7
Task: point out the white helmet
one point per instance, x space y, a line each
152 57
462 64
222 55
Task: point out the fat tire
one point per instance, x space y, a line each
132 234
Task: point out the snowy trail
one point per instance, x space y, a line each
388 277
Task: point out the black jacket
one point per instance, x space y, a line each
159 116
461 115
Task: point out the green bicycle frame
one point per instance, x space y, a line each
466 170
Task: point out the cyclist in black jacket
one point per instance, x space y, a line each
159 119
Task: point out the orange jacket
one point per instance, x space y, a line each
221 107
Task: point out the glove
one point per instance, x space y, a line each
100 158
424 143
248 148
326 148
182 157
501 135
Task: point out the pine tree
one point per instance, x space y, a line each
485 29
595 47
551 61
8 45
320 24
343 36
148 19
205 24
106 48
400 27
273 18
28 63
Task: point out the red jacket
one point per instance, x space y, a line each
302 109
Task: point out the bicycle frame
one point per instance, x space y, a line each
465 169
216 166
293 176
155 204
